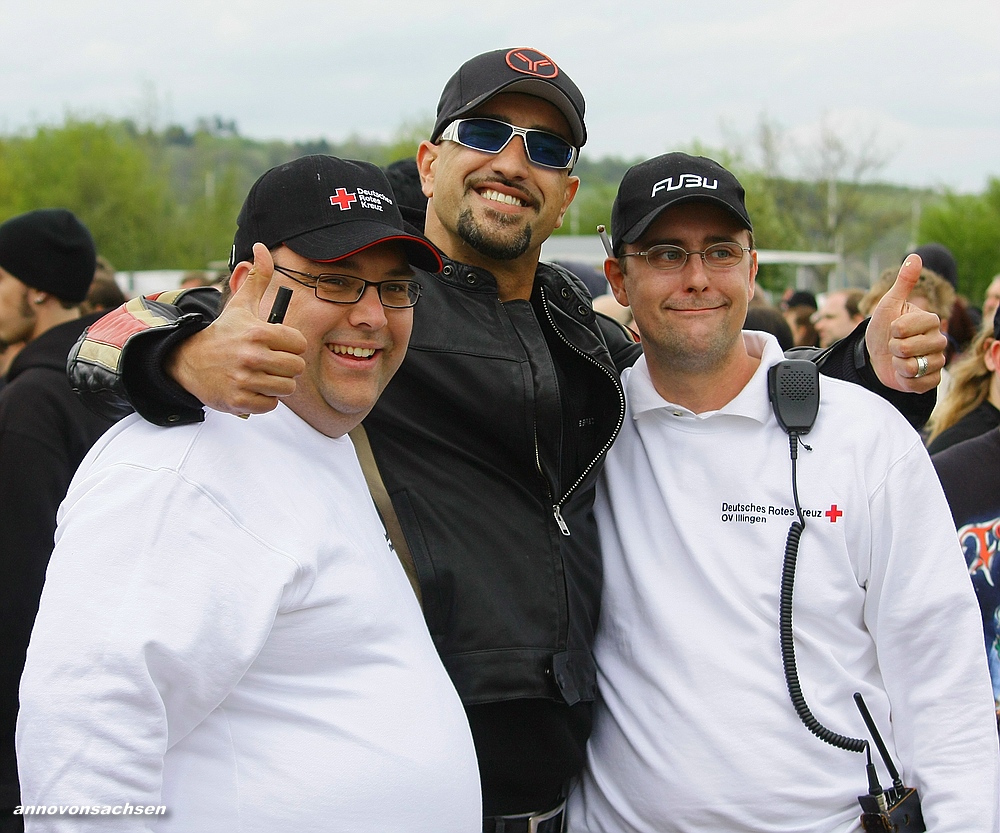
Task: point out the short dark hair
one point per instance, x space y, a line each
852 301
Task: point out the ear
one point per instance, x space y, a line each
753 273
992 356
427 155
239 275
613 272
572 186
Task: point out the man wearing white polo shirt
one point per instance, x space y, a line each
695 729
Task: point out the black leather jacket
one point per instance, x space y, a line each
489 439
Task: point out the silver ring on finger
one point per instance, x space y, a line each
922 366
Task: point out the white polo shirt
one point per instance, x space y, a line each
695 730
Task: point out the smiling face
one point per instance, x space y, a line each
497 206
353 349
690 318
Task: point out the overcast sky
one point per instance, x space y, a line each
917 80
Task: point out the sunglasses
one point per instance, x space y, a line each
492 136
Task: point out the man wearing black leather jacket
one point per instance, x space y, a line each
490 436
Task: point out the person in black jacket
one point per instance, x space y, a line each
47 261
491 435
970 476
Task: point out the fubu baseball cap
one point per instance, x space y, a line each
324 209
519 70
649 188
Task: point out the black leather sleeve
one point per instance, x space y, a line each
622 342
848 360
117 366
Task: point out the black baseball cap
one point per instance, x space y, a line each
325 209
519 70
649 188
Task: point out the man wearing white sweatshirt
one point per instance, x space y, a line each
225 630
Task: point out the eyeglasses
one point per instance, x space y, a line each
717 256
492 136
344 289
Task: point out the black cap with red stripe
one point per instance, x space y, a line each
324 209
520 70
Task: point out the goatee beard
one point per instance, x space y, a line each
495 249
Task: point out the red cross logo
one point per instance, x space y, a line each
342 199
833 514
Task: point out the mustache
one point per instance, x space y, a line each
523 192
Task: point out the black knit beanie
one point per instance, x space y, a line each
938 258
51 250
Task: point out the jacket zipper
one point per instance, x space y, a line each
557 506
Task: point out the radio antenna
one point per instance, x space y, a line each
897 782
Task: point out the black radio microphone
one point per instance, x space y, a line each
793 388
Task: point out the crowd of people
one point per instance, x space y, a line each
396 532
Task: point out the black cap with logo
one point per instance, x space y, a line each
520 70
325 209
651 187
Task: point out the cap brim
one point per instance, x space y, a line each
345 239
533 87
639 228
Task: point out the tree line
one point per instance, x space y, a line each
168 198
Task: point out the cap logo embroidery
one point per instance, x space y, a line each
532 62
372 199
342 199
684 181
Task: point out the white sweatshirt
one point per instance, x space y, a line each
225 631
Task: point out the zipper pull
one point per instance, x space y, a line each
559 520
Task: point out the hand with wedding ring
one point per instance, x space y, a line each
904 342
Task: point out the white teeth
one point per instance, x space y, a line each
506 199
359 352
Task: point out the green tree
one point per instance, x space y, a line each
100 171
969 225
599 181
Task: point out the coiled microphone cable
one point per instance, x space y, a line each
785 621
